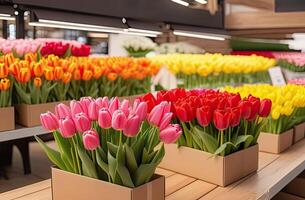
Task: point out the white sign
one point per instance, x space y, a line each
277 76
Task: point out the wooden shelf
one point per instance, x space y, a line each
21 132
275 172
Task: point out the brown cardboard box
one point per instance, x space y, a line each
29 115
299 132
296 187
7 121
275 143
208 167
286 196
66 185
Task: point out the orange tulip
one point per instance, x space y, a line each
9 59
77 75
3 70
87 75
49 74
14 68
58 72
37 82
37 69
66 78
72 67
112 76
97 72
5 84
24 75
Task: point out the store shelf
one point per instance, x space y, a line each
275 172
21 132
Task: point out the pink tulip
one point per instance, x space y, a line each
102 102
132 126
156 115
76 107
104 118
170 134
62 111
93 111
125 107
82 122
166 119
141 110
91 140
114 105
49 121
67 127
118 120
85 102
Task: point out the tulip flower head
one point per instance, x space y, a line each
91 140
49 121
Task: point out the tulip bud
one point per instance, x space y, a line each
85 102
58 73
37 69
102 102
265 108
166 119
91 140
24 75
49 74
49 121
132 126
82 122
204 115
141 110
93 111
221 119
3 70
67 127
62 111
76 74
114 105
87 75
37 82
170 134
104 118
76 107
119 119
66 78
112 76
5 84
125 107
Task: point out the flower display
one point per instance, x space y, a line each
288 104
216 122
297 81
110 140
178 47
138 46
293 61
57 79
214 70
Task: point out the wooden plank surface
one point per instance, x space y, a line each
275 171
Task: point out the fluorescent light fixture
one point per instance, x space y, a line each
6 17
181 2
126 31
199 35
201 1
144 31
98 35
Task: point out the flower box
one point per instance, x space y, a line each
29 115
275 143
66 185
208 167
7 119
299 132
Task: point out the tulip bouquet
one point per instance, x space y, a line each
5 92
110 140
216 122
288 107
139 46
291 61
297 81
215 70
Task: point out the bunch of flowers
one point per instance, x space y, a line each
19 47
139 46
297 81
110 140
178 47
5 87
215 70
293 61
57 79
216 122
288 107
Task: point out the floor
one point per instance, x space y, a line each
40 169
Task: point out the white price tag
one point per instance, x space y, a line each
277 76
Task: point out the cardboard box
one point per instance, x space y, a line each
29 115
66 185
299 132
296 187
7 119
208 167
275 143
286 196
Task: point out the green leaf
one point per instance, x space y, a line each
208 141
101 163
246 139
159 156
145 156
188 135
144 174
121 168
130 159
53 155
25 97
222 149
87 164
113 149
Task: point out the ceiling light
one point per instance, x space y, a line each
138 34
201 1
6 17
184 3
144 31
199 35
97 35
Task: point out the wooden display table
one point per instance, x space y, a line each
275 172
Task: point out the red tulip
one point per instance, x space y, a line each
184 112
221 119
265 108
204 115
234 100
255 107
150 100
245 109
